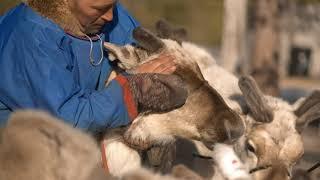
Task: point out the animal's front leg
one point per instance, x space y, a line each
147 131
161 158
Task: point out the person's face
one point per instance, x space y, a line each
93 14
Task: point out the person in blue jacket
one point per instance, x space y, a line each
52 59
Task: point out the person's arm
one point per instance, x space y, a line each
40 75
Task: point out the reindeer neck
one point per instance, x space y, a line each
204 92
203 102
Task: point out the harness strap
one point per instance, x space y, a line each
104 158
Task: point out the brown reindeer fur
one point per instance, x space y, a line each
36 146
182 172
160 158
205 115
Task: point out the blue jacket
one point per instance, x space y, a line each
44 68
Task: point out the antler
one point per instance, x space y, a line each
260 110
148 40
308 111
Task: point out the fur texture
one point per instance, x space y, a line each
205 115
203 99
34 145
59 11
121 159
37 146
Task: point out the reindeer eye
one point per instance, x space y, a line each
250 147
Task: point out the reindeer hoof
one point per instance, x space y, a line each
138 138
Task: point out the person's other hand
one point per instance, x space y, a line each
164 64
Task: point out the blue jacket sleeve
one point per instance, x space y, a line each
37 74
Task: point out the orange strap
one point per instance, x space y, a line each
104 158
128 98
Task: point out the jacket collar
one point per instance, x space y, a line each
58 11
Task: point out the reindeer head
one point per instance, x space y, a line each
149 47
272 140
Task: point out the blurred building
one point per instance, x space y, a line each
299 41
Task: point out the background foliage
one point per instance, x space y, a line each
203 19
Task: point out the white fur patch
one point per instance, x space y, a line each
121 158
229 163
150 130
200 54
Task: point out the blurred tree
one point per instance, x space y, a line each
233 48
264 62
307 1
204 19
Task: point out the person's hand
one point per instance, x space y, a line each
164 64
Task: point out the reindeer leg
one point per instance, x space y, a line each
150 130
160 158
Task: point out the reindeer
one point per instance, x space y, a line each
205 115
273 127
272 140
35 145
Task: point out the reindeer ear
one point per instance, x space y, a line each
166 31
260 110
147 40
127 55
181 34
116 52
308 111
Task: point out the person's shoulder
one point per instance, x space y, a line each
125 18
119 31
26 24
